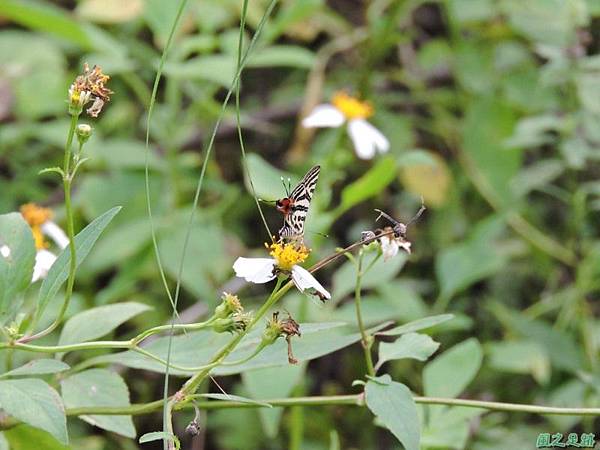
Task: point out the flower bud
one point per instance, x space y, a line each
236 323
84 131
230 304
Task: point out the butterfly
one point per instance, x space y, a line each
294 207
399 227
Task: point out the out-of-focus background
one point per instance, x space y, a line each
492 109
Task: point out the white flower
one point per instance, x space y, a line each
286 258
391 244
366 138
5 251
43 261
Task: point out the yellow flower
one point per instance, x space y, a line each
351 107
288 255
36 216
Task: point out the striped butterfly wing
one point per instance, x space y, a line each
293 223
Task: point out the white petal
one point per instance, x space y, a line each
305 281
43 261
55 233
324 116
255 270
405 245
367 139
389 247
5 251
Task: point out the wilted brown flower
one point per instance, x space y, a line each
89 86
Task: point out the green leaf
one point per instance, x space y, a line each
24 437
465 263
97 322
158 436
266 178
416 325
196 349
34 402
448 427
451 372
488 123
393 404
99 387
273 382
236 398
59 272
43 16
380 273
282 56
524 357
369 185
37 367
410 345
16 268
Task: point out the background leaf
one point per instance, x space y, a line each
35 403
99 387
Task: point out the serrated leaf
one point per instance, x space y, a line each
37 367
416 325
410 345
451 372
34 402
393 404
16 262
59 272
97 322
99 387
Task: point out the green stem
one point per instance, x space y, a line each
366 339
67 180
130 344
192 384
350 400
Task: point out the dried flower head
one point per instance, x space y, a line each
89 86
193 428
277 328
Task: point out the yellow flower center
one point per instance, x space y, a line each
288 255
36 216
351 107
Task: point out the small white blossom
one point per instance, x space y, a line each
367 139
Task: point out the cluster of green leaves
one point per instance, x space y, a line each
491 109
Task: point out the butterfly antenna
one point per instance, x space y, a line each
418 214
386 215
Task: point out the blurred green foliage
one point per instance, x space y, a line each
492 111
